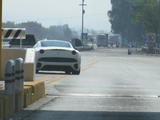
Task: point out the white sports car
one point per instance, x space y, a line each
57 55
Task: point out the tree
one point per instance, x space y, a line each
59 32
9 25
147 12
120 18
34 28
67 32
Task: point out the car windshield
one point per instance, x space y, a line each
55 44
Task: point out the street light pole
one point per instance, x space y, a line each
83 12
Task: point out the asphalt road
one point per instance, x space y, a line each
111 86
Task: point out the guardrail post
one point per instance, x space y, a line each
10 82
19 84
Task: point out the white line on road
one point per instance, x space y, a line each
108 95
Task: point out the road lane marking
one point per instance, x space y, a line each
107 95
56 80
45 77
86 67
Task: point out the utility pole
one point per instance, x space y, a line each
83 12
0 39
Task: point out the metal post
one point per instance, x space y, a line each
20 43
10 82
82 19
19 74
19 84
83 12
0 39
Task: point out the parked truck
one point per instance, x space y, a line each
102 40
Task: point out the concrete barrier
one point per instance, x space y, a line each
33 91
37 88
29 61
10 54
29 65
27 96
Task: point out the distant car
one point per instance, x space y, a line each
57 55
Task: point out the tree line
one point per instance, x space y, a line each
135 20
59 32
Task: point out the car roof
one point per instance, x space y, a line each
54 40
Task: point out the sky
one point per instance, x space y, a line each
59 12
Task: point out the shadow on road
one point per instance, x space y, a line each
87 115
